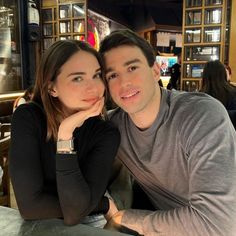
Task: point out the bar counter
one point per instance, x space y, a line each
11 224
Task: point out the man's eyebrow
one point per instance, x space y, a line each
132 61
127 63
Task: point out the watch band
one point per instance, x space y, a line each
65 146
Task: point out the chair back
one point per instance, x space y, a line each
5 129
5 185
232 115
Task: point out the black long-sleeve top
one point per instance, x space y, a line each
50 185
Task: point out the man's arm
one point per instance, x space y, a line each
209 141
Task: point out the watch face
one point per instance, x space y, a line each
65 145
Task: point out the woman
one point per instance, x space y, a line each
61 150
215 84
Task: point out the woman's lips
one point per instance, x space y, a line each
91 100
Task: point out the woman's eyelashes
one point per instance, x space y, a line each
80 78
77 79
98 75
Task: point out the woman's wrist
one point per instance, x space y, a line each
112 210
65 146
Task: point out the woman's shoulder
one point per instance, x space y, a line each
28 112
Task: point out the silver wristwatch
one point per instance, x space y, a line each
65 146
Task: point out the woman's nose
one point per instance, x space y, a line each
91 86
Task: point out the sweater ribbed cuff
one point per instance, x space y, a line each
134 219
66 162
102 207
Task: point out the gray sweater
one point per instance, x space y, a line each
186 164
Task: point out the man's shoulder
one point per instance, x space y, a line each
196 105
115 114
193 102
191 98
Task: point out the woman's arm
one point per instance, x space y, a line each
34 199
82 185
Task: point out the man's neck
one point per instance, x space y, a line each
145 118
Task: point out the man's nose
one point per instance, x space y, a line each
125 80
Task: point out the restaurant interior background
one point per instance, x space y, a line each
27 28
201 29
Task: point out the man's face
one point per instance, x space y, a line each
132 82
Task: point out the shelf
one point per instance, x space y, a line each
67 20
206 37
191 85
193 3
202 53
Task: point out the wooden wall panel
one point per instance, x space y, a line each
232 48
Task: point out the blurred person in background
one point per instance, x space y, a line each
228 72
26 97
175 74
215 83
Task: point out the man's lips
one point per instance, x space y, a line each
129 95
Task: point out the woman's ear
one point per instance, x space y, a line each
156 71
52 90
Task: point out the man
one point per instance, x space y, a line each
180 147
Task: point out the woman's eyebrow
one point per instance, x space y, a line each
83 73
76 73
98 69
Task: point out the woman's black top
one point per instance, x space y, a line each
50 185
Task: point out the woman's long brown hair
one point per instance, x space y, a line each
52 61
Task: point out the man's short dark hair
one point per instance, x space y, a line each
125 37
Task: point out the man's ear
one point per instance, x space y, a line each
52 90
156 71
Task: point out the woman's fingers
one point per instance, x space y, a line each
96 109
76 120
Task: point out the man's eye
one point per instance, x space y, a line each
132 68
112 76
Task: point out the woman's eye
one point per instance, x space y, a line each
112 76
98 76
132 68
77 79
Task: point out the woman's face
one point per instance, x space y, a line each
79 84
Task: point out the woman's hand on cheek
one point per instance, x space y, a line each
96 109
69 124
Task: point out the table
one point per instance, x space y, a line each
11 224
